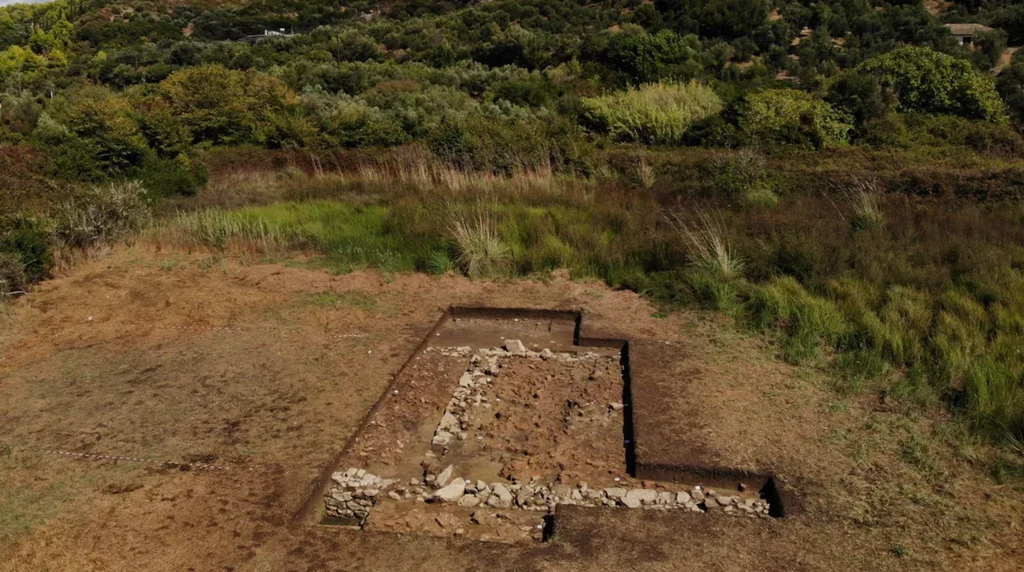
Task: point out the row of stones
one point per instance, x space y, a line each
356 491
515 348
455 420
535 496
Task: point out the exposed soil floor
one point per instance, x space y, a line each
542 418
263 370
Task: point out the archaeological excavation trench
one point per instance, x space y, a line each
503 415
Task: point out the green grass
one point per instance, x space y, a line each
927 307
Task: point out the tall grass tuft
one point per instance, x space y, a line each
481 250
806 320
645 173
707 244
217 228
653 113
864 196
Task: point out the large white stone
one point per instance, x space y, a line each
615 492
644 496
451 493
500 496
515 346
442 478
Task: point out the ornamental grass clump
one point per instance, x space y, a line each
481 249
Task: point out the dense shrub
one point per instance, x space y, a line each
219 105
102 126
12 274
931 82
644 57
180 175
27 239
793 117
652 113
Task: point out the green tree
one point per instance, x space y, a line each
223 106
103 122
931 82
645 57
793 117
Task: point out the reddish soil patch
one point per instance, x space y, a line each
189 356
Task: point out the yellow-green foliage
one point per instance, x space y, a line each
793 117
656 113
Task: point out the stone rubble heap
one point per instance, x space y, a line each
356 491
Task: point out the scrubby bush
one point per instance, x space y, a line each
658 113
28 239
736 173
793 117
507 139
102 213
12 274
932 82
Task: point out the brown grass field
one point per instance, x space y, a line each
264 370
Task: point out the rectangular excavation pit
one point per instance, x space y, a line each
498 417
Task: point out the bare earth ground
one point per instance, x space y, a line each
264 370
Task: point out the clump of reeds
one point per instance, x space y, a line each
481 251
705 239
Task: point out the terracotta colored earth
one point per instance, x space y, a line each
265 370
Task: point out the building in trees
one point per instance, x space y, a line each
965 33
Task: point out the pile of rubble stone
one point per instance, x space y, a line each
356 491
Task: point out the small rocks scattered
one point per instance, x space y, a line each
503 352
356 492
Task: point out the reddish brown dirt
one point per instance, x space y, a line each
548 421
150 376
536 334
543 419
